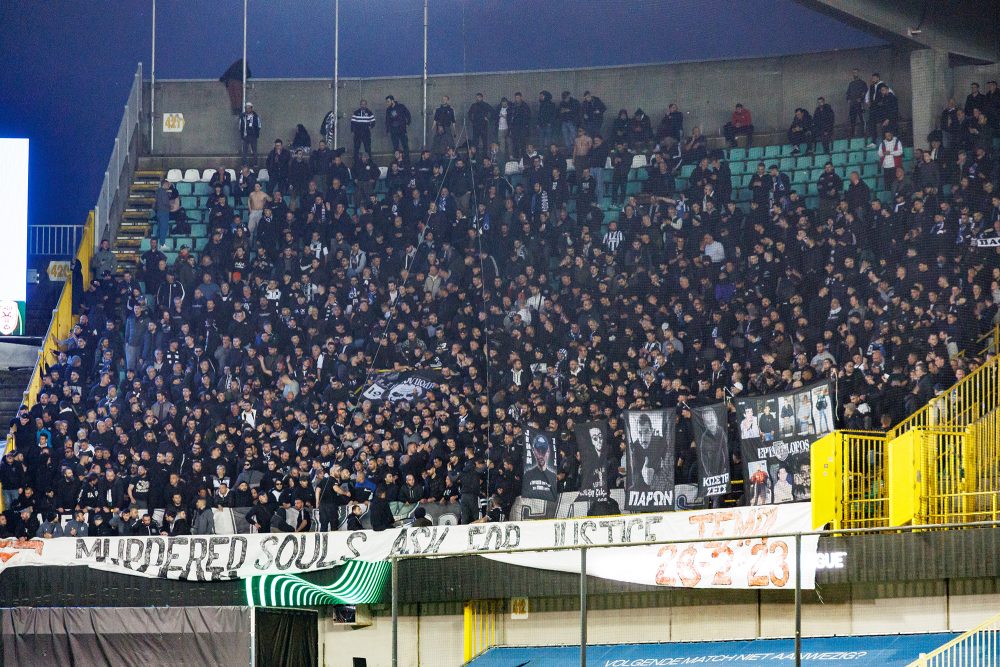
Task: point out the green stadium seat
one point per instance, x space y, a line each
815 174
200 243
801 177
871 155
787 164
736 168
840 145
737 154
201 188
199 229
812 202
871 182
189 202
838 159
686 170
171 256
804 162
755 154
184 189
869 169
855 158
858 144
633 188
745 182
772 151
812 190
907 154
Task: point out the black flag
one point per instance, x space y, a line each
540 465
712 444
776 434
650 460
592 443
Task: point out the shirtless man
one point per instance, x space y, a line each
257 199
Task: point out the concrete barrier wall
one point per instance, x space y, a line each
705 91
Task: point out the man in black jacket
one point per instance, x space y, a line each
480 114
671 128
397 119
444 115
250 127
592 111
856 90
823 122
520 126
569 118
362 122
546 118
278 162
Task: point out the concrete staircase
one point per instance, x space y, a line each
12 385
135 222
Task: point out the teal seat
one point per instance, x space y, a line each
772 151
812 202
858 144
813 189
787 149
908 153
871 182
199 229
871 155
787 164
804 162
801 177
840 145
737 167
687 170
200 243
755 153
815 174
737 154
869 169
745 183
633 188
189 202
855 158
201 188
171 256
838 159
184 189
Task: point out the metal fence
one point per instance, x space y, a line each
600 616
53 240
122 164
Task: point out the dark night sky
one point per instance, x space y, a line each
66 65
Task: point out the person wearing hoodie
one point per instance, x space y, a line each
640 130
569 118
546 118
740 123
801 129
520 126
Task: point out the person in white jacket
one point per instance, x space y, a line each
890 155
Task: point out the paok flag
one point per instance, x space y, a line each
540 465
649 459
592 443
712 445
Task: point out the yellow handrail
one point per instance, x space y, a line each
968 399
63 317
978 646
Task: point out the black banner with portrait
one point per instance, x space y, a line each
540 465
650 460
712 445
776 434
592 443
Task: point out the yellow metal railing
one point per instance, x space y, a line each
63 317
865 492
978 647
481 625
969 399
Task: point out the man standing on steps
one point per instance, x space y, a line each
362 122
249 134
161 206
397 119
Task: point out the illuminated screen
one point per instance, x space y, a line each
14 223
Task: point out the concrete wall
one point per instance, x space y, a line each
436 640
706 91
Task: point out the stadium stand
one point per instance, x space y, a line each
227 365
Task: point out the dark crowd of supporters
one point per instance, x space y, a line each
232 376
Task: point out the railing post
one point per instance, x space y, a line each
798 600
395 611
583 607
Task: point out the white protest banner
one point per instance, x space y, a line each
740 563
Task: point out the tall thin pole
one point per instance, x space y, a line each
798 600
394 564
152 86
244 57
583 607
424 113
336 71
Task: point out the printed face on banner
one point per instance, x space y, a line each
650 464
590 440
597 440
539 480
776 451
712 444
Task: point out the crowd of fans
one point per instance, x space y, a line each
232 377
